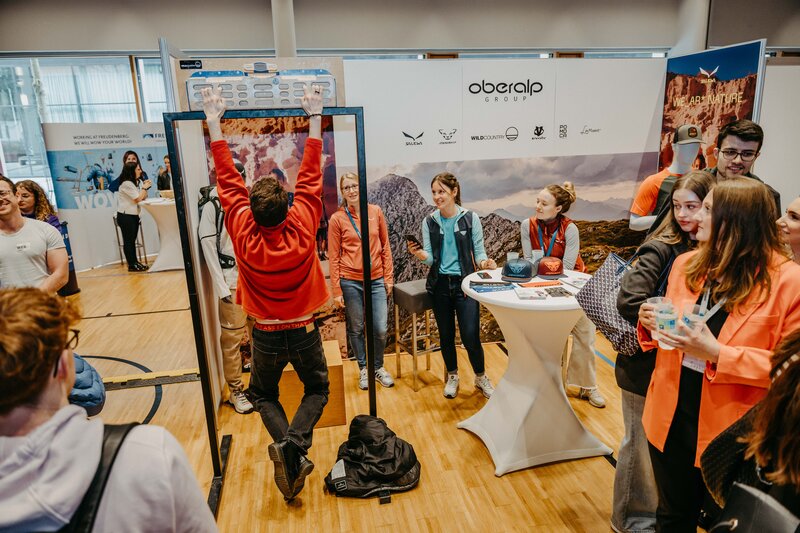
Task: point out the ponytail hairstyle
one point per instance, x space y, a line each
564 195
449 181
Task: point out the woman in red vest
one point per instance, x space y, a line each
552 234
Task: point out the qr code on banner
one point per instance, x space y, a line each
562 131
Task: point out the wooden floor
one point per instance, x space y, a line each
143 319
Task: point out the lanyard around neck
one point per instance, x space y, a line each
541 240
705 312
353 222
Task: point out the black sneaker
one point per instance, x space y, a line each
286 460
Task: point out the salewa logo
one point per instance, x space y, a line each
709 80
413 141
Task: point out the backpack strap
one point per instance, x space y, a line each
84 517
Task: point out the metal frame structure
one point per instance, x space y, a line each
219 451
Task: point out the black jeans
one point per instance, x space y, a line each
681 490
450 301
272 350
129 226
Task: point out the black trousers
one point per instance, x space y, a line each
129 226
272 351
681 491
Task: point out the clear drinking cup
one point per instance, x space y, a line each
510 256
657 301
666 320
693 316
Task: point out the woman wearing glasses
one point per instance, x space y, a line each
747 294
49 450
347 275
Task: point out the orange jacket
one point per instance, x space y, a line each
344 248
740 378
280 276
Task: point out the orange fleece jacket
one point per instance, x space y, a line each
280 276
344 248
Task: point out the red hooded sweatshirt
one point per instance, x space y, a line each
280 276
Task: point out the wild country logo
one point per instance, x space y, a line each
447 135
511 134
513 91
413 141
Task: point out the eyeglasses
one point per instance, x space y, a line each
746 155
5 193
349 188
72 343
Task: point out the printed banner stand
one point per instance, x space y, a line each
710 89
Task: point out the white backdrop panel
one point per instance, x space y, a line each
608 106
780 116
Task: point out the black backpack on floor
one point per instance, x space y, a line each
373 462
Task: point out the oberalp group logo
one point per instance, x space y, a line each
505 91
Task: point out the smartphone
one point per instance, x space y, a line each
413 238
484 275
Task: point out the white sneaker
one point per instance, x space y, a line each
451 387
484 385
240 402
593 396
384 377
362 379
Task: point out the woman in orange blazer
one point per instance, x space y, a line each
720 368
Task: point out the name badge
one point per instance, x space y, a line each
23 247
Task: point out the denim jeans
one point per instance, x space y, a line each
272 350
449 302
635 493
353 292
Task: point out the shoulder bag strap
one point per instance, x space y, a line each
664 277
84 517
353 222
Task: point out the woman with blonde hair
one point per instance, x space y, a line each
347 275
748 297
552 234
788 228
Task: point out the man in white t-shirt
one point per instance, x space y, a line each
32 253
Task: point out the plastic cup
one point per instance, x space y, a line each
510 256
536 255
666 320
657 301
692 315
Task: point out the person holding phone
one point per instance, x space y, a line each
129 196
347 275
552 234
452 245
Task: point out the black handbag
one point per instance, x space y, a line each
750 510
723 464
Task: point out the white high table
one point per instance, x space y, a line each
170 254
528 421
